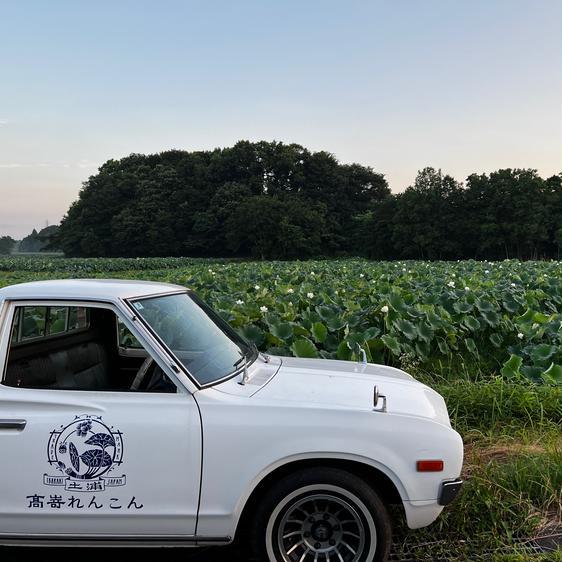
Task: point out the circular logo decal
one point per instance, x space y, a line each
85 450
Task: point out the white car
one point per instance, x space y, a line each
131 413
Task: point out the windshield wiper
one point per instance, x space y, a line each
242 358
251 349
244 377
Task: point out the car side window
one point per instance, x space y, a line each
33 322
74 348
126 338
57 320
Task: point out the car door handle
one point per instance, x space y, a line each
18 425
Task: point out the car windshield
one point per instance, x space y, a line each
199 338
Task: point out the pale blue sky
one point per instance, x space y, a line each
471 85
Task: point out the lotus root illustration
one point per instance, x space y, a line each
86 448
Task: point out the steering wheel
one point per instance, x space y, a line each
141 373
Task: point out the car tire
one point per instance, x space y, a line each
316 511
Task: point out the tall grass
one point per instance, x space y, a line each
488 403
513 472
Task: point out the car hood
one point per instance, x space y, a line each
344 384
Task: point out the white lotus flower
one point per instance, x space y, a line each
467 288
513 285
486 271
310 295
239 301
520 336
451 284
263 309
361 275
384 309
290 291
257 287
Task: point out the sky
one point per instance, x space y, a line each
462 85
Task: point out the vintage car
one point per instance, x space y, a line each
131 413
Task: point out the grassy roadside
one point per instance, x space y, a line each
513 472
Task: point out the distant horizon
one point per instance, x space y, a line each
397 86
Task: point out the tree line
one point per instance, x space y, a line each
510 213
35 242
270 200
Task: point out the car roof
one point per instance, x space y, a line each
87 289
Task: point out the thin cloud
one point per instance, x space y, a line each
27 165
83 164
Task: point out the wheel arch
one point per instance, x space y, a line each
374 476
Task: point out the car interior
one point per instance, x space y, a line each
79 348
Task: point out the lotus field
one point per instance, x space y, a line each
442 317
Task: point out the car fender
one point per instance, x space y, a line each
302 459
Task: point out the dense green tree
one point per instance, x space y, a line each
552 193
39 241
189 203
373 230
511 209
510 213
424 222
6 244
276 227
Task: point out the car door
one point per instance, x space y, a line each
95 463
